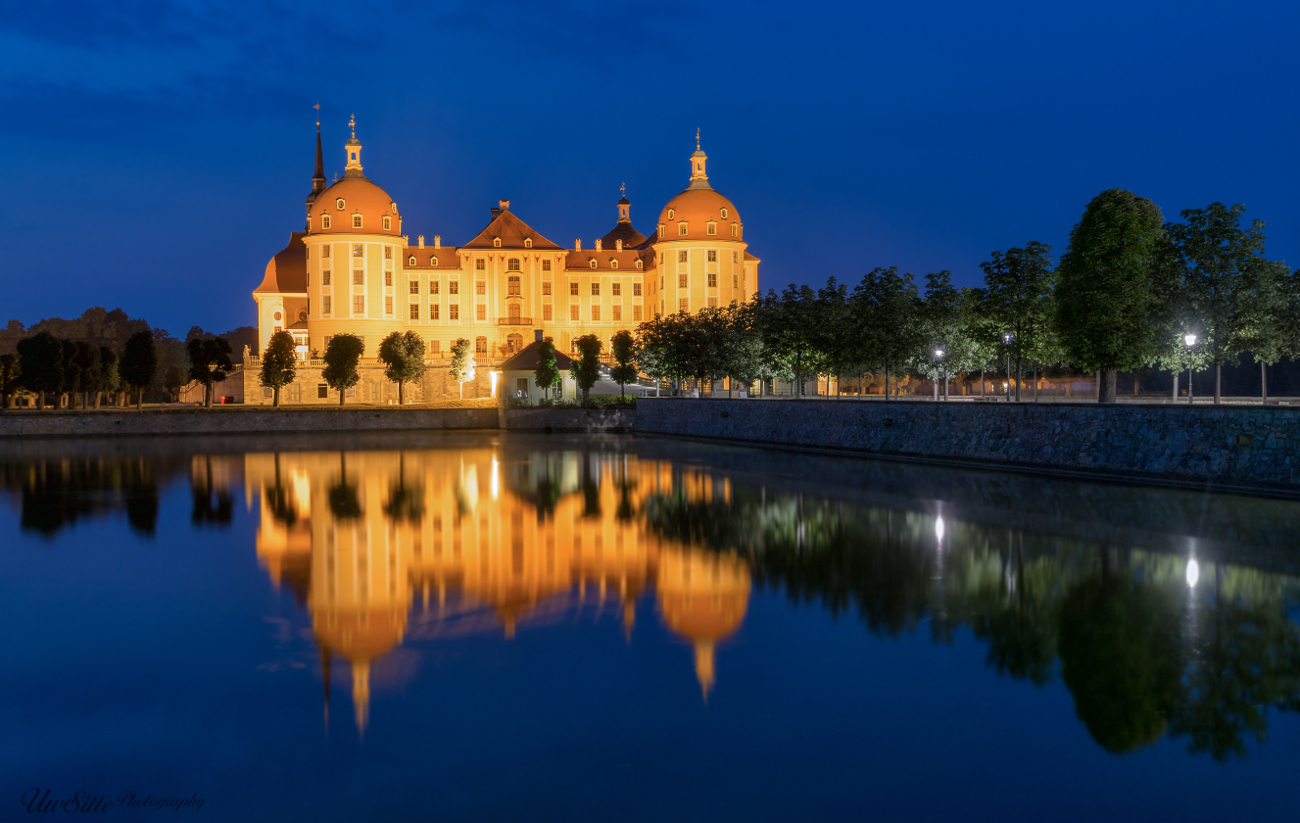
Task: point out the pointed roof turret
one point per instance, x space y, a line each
623 229
699 179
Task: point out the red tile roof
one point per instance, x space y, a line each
511 231
286 273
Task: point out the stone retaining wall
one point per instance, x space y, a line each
1233 447
606 420
238 421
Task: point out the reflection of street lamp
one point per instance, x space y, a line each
1190 340
943 370
1193 573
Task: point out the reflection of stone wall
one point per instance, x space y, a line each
617 420
1245 447
241 420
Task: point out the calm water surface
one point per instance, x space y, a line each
485 626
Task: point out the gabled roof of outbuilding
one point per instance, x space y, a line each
528 358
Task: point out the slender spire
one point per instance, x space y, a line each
353 168
699 179
325 664
318 176
697 138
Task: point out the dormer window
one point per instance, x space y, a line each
661 228
433 261
681 229
528 242
672 213
340 204
734 230
410 261
613 264
356 221
393 208
496 242
388 223
724 214
325 222
710 228
639 264
593 262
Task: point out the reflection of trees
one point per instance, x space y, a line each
280 499
404 502
57 493
344 502
590 483
213 506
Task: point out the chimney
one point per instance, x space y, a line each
437 241
537 335
618 245
422 241
495 211
597 245
504 205
577 245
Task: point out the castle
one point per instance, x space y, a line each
353 270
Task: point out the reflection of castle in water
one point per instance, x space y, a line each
359 536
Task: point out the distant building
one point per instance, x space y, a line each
353 270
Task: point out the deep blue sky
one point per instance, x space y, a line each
158 154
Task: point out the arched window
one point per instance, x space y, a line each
639 264
515 342
661 228
593 262
433 261
528 242
734 230
613 263
724 214
480 345
672 214
410 261
496 242
512 264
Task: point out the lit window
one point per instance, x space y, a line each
672 214
681 229
636 289
618 314
358 304
356 221
573 313
512 285
410 261
325 251
734 230
546 312
681 305
512 264
326 304
528 242
358 277
636 314
340 204
388 278
681 281
639 264
413 286
546 265
713 279
453 311
616 288
388 224
546 287
496 242
724 214
713 256
433 286
453 287
358 250
388 305
595 314
325 221
480 265
480 345
595 289
613 264
433 311
480 287
415 311
573 288
325 278
480 311
710 228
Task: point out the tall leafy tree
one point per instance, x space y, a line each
109 379
462 363
403 358
1105 291
10 378
945 325
174 379
279 364
41 363
341 357
790 332
210 362
887 310
1229 287
835 334
1017 299
624 370
139 363
89 371
547 373
585 368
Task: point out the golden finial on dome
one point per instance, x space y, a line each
317 108
697 138
352 124
622 190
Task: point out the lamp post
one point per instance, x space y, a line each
943 372
1007 339
1190 340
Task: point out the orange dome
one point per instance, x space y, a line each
352 196
697 207
702 617
361 637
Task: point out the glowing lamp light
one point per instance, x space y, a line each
493 376
1193 573
938 352
938 528
1189 339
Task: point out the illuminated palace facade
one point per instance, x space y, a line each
354 270
387 549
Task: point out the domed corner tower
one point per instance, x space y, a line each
352 258
700 249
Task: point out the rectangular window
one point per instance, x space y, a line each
480 311
636 313
325 278
358 277
388 304
358 304
326 305
546 265
713 302
480 287
435 346
356 221
573 288
433 311
681 281
480 345
681 229
595 314
735 257
546 287
433 287
681 304
415 311
636 289
453 311
713 279
325 252
733 230
681 257
616 288
512 285
573 313
453 287
358 250
735 281
480 265
413 287
595 289
546 312
388 278
322 391
711 229
618 314
713 255
388 252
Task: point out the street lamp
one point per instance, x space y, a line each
943 370
1007 339
1190 340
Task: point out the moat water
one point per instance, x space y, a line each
485 626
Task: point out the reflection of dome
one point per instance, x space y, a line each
703 598
359 636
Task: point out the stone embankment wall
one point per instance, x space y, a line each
605 420
239 421
1232 447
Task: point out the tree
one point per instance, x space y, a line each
89 371
834 332
109 379
341 357
790 332
887 310
174 379
462 363
40 360
1105 291
945 324
1228 286
547 373
139 363
1017 299
624 372
279 364
210 363
585 368
403 358
10 378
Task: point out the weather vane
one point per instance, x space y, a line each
317 108
622 190
352 123
697 138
